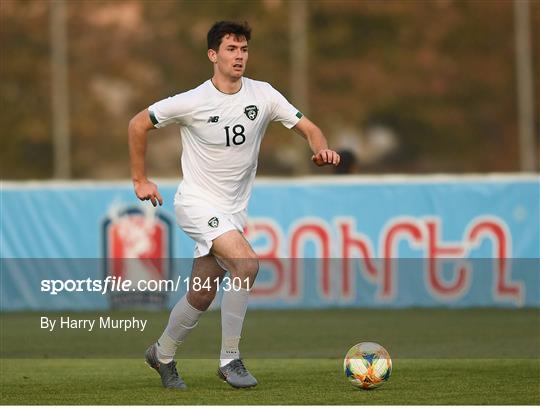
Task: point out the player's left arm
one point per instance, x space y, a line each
322 155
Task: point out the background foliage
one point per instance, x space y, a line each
438 76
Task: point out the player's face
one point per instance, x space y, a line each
232 56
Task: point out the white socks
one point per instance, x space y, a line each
185 317
182 320
166 348
233 311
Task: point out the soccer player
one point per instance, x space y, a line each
222 123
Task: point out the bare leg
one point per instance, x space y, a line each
235 253
206 269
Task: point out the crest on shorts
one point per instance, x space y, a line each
251 112
213 222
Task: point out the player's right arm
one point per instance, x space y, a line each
138 129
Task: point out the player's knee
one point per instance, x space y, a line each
247 268
252 267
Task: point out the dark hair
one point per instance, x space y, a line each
222 28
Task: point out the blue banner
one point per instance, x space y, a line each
333 242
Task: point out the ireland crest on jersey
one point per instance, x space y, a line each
251 112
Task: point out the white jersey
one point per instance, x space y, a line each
221 137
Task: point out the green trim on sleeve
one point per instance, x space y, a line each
299 115
153 118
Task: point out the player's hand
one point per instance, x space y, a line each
326 157
146 190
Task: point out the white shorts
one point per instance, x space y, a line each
203 224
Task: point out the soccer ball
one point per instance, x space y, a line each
367 365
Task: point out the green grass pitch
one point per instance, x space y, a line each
480 356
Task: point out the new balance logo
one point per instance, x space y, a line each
213 119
